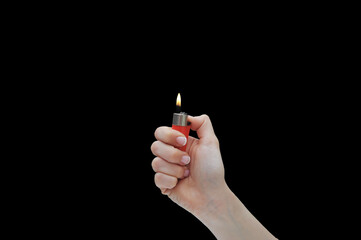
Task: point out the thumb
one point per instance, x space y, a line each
202 124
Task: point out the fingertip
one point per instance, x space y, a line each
181 141
185 159
186 173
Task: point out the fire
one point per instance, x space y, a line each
178 100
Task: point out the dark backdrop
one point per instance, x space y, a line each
98 104
104 180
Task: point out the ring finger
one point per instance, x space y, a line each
162 166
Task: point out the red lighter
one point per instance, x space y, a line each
180 122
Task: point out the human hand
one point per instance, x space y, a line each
194 178
195 181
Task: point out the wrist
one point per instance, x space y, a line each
227 218
217 205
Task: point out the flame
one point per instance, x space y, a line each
178 100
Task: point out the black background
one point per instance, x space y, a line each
97 134
104 180
102 93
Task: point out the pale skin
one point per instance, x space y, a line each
195 181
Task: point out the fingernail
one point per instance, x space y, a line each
181 140
186 159
186 173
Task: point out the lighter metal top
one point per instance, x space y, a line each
180 119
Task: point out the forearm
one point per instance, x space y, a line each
228 219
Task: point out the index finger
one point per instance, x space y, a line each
170 136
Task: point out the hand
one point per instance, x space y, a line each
195 181
193 178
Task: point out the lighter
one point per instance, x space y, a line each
180 121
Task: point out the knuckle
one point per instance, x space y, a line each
180 172
157 179
156 164
162 133
157 132
167 134
173 182
175 156
154 147
205 116
161 181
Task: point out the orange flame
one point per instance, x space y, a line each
178 100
